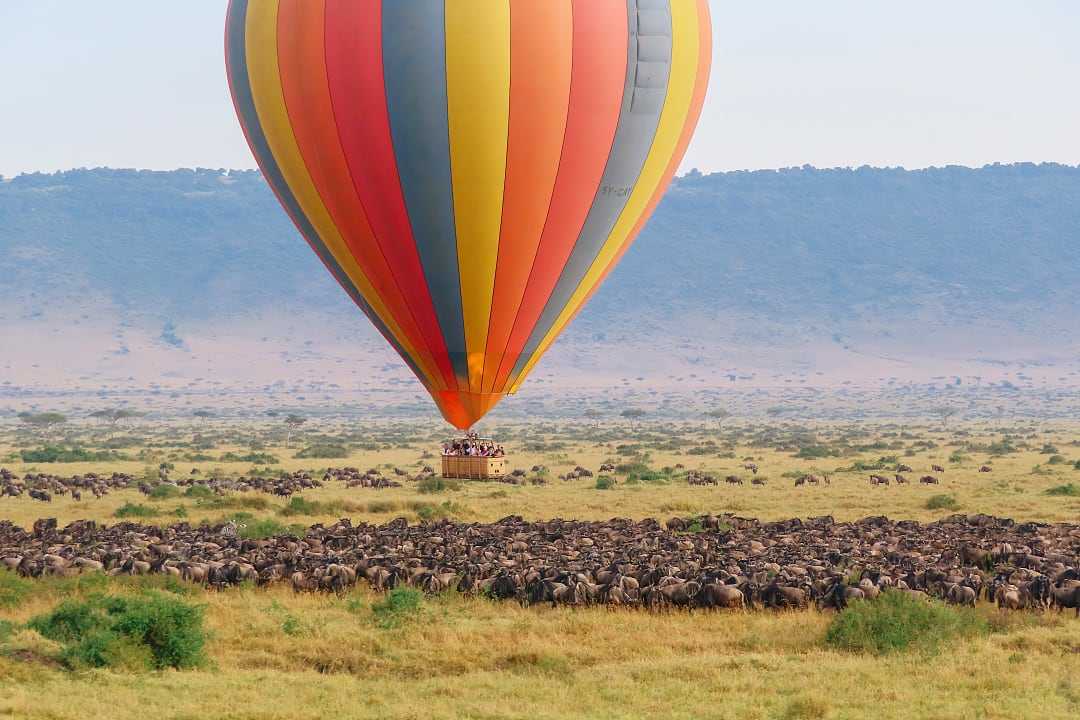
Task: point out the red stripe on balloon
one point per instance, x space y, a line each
302 69
353 32
598 79
692 117
541 50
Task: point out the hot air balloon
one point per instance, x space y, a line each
469 170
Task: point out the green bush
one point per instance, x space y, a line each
399 606
603 482
164 491
323 452
150 631
898 621
435 484
1056 460
64 454
13 589
300 506
135 510
253 458
252 528
1070 490
219 502
383 506
942 502
199 492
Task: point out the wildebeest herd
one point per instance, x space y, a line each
705 562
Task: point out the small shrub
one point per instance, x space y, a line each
262 528
323 452
64 454
603 482
300 506
135 510
199 492
383 506
942 502
164 491
399 606
897 621
255 458
435 484
1056 460
1069 490
13 588
150 631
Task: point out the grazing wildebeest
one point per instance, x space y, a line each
879 480
937 469
929 480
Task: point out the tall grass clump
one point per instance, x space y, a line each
942 502
135 510
897 621
152 631
13 589
435 484
398 607
1069 490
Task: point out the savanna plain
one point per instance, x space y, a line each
253 651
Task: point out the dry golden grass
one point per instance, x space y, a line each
274 654
1013 489
278 655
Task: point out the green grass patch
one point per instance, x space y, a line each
603 482
897 621
151 631
323 452
68 454
135 510
164 491
1069 490
300 506
942 502
399 606
435 484
255 458
13 588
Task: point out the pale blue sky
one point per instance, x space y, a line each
140 83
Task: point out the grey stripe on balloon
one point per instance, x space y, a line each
236 35
648 69
414 70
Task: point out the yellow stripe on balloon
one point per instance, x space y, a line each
478 100
685 41
269 100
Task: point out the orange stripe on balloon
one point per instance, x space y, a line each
700 88
600 40
302 68
354 61
541 49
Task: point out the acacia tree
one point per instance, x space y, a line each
945 412
43 421
719 415
633 415
292 423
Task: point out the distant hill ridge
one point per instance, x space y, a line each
755 259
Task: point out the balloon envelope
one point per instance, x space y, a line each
469 170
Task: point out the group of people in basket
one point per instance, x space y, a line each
472 446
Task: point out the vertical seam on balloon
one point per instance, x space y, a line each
506 174
360 202
551 199
279 81
453 206
282 193
626 83
401 185
693 114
